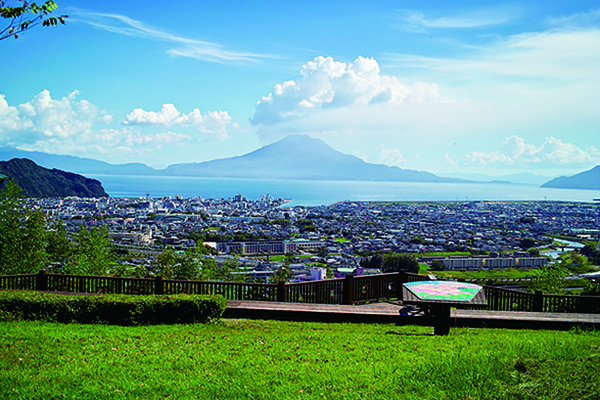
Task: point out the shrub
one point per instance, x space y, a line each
111 309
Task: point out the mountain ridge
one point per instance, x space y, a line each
587 180
293 157
301 157
40 182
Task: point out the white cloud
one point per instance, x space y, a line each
414 21
214 124
78 127
333 97
9 116
567 54
577 20
552 152
381 155
44 117
109 143
192 48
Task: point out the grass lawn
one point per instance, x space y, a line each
244 359
281 258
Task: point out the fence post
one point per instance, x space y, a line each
281 295
538 301
348 295
402 278
159 285
41 281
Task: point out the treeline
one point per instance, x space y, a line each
27 246
387 262
592 253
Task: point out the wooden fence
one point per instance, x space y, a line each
349 290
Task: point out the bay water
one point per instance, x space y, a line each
315 192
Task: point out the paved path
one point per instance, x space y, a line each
390 312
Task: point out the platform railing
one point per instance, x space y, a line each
348 290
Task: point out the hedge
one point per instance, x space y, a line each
114 309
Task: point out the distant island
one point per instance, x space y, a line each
293 157
588 180
40 182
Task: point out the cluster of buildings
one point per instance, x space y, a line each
337 236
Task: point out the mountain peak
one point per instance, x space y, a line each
301 157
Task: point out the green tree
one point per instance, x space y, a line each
534 252
22 235
551 280
437 266
228 272
165 263
93 255
398 262
282 274
11 215
527 243
23 15
58 245
188 266
591 289
34 243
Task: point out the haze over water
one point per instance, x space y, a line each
310 193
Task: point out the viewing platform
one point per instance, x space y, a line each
393 312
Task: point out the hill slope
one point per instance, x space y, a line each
584 180
38 181
301 157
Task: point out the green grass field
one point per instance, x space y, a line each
243 359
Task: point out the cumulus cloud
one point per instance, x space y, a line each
213 124
44 117
331 93
381 155
78 127
515 152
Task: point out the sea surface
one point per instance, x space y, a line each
311 193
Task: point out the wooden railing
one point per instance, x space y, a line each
500 299
571 304
377 287
229 290
98 284
349 290
329 291
18 282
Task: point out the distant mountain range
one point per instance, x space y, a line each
584 180
294 157
76 164
523 178
39 182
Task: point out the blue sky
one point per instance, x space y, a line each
438 86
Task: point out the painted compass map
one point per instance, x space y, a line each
444 291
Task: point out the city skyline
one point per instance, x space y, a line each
465 88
